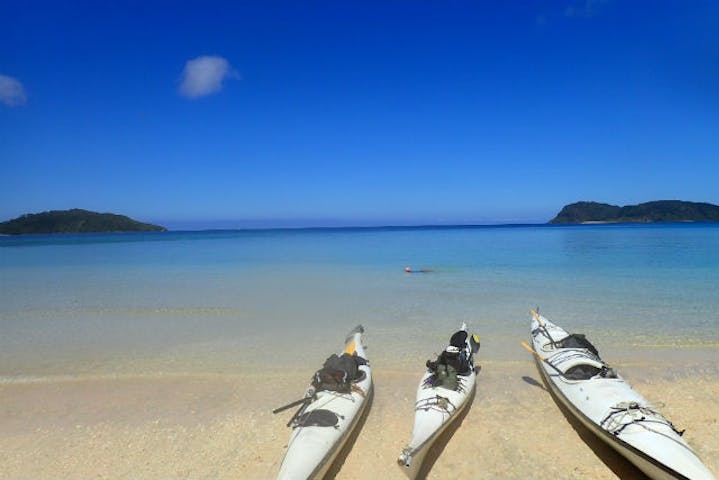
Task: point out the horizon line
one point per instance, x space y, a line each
434 226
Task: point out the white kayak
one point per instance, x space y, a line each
605 403
322 426
437 407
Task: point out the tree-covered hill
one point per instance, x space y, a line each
656 211
74 221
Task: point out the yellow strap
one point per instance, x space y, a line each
536 316
531 350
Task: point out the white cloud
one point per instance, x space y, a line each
204 76
12 92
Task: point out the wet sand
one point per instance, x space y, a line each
220 426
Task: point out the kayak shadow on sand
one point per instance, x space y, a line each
438 446
621 467
342 456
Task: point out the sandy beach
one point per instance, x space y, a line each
220 426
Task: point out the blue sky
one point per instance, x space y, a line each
392 112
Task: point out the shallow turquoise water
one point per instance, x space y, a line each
183 301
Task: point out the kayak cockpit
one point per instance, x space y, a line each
584 369
454 363
580 363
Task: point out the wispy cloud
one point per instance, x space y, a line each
204 76
573 9
584 8
12 93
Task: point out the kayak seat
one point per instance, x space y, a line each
579 367
582 372
459 339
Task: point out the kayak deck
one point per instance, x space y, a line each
611 409
327 422
436 408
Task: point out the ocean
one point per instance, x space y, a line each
228 301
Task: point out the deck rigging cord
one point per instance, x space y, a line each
437 402
543 326
636 414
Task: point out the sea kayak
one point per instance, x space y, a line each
322 425
608 406
439 403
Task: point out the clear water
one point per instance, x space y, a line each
220 301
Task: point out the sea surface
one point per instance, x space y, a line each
233 301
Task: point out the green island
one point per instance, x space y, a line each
74 221
648 212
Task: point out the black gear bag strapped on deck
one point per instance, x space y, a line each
339 372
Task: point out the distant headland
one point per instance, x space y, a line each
74 221
649 212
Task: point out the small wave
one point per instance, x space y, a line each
132 311
36 379
46 379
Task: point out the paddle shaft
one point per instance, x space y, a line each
299 411
290 405
526 345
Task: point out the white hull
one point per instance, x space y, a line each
651 444
436 408
312 450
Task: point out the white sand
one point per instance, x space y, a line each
216 427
